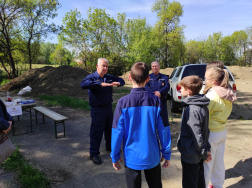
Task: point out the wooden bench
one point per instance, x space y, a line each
51 114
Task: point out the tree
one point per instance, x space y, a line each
35 23
45 51
227 52
213 47
61 55
75 33
167 27
10 37
240 42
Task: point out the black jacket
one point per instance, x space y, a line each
4 117
193 140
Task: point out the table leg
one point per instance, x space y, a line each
13 128
36 116
55 129
64 128
30 118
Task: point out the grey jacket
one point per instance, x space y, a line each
193 139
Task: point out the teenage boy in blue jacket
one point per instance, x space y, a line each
136 119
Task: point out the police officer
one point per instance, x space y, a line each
159 86
100 86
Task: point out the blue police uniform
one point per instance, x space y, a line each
100 99
160 83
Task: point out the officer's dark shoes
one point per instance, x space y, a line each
96 160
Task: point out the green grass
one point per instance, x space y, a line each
4 81
241 118
15 162
65 101
31 177
28 176
171 119
246 104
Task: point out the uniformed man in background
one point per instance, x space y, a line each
159 86
100 87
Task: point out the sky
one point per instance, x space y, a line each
201 17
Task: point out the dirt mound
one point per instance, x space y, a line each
166 71
49 80
241 72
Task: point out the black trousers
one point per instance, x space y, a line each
152 176
102 119
193 175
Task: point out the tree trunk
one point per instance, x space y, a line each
12 64
29 53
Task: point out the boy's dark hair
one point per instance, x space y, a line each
139 72
218 64
194 83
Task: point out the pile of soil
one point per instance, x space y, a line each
66 80
241 72
49 80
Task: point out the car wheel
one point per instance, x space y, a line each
174 106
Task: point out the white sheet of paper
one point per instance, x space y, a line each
14 110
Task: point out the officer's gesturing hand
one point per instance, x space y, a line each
157 93
116 83
104 84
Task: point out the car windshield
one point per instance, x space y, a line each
198 70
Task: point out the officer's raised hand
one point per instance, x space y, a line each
104 84
115 83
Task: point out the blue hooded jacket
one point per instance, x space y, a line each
137 120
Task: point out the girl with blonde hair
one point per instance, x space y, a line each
221 97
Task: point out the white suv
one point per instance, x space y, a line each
187 70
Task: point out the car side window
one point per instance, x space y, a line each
173 72
178 72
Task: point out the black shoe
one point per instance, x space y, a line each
96 160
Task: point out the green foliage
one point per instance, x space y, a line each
15 162
28 176
22 26
241 118
168 31
31 177
124 41
45 51
61 55
232 50
65 101
4 81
